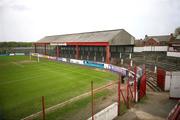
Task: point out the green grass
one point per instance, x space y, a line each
23 83
76 109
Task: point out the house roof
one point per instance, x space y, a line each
159 38
97 36
156 39
139 42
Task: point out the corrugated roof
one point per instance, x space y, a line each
97 36
160 38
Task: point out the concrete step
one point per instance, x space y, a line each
152 87
152 81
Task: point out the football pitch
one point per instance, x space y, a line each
23 82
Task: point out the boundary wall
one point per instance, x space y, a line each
123 71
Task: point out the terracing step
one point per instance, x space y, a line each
153 86
152 81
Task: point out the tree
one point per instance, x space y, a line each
177 31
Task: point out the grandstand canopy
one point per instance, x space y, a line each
112 37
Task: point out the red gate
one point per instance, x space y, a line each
161 78
142 88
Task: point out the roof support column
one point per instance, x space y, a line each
45 52
57 51
107 54
35 48
77 52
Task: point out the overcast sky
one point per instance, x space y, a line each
30 20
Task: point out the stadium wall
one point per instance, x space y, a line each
121 70
12 54
169 81
108 113
150 48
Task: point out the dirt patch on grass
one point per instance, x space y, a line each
99 104
102 70
26 61
98 101
21 63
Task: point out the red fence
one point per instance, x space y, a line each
142 88
161 78
175 113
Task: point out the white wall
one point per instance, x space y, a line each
76 61
108 113
150 48
138 49
167 80
175 85
173 54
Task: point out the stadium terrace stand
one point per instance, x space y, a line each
96 46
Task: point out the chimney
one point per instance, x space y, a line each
146 37
171 38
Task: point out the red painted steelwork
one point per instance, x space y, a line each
81 43
161 78
175 112
77 52
57 51
142 91
131 92
107 54
123 96
127 94
35 48
135 83
88 43
45 52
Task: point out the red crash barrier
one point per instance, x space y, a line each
161 78
175 113
142 89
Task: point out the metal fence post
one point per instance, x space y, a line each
127 90
92 100
135 84
119 95
43 108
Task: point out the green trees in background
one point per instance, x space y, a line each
15 44
7 47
